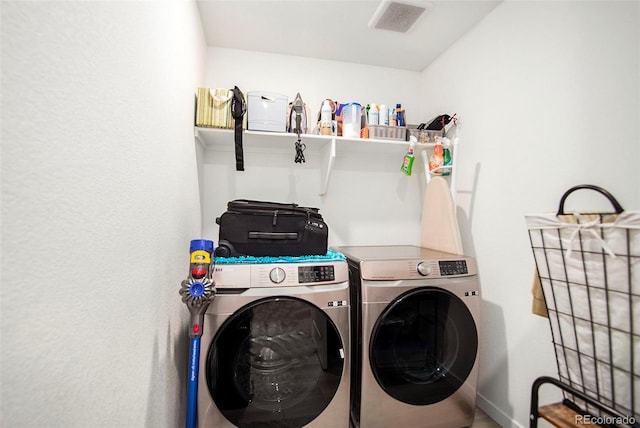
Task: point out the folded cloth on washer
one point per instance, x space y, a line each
331 255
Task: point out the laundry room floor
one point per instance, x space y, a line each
481 420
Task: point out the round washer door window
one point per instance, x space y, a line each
275 362
423 346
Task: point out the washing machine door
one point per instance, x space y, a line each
423 346
275 362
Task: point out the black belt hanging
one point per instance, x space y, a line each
238 108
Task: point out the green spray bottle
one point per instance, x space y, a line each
407 163
446 156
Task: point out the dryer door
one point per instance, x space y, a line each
423 346
275 362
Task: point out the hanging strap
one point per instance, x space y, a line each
238 108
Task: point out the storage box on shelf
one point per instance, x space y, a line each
426 135
383 132
266 111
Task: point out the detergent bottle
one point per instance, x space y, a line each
437 159
407 163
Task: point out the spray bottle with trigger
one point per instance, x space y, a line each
437 158
446 156
197 292
407 163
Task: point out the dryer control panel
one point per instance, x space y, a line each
441 268
444 268
453 267
417 269
399 262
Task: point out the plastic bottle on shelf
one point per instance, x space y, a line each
407 163
325 118
373 115
383 115
436 159
446 156
351 119
399 115
392 117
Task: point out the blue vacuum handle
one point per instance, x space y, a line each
192 401
197 292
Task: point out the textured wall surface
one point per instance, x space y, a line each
100 193
548 97
99 202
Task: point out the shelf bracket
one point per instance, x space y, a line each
454 172
327 165
425 161
198 137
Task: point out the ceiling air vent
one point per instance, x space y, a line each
395 16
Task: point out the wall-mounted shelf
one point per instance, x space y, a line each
258 141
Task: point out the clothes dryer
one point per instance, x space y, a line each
415 337
278 340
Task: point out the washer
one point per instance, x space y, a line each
415 317
278 338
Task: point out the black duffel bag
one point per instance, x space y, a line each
257 228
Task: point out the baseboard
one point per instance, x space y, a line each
496 413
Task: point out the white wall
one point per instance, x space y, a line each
99 186
548 96
369 201
99 202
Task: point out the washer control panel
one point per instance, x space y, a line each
316 273
306 274
280 274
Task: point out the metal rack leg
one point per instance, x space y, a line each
534 413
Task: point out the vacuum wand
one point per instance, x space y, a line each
197 292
